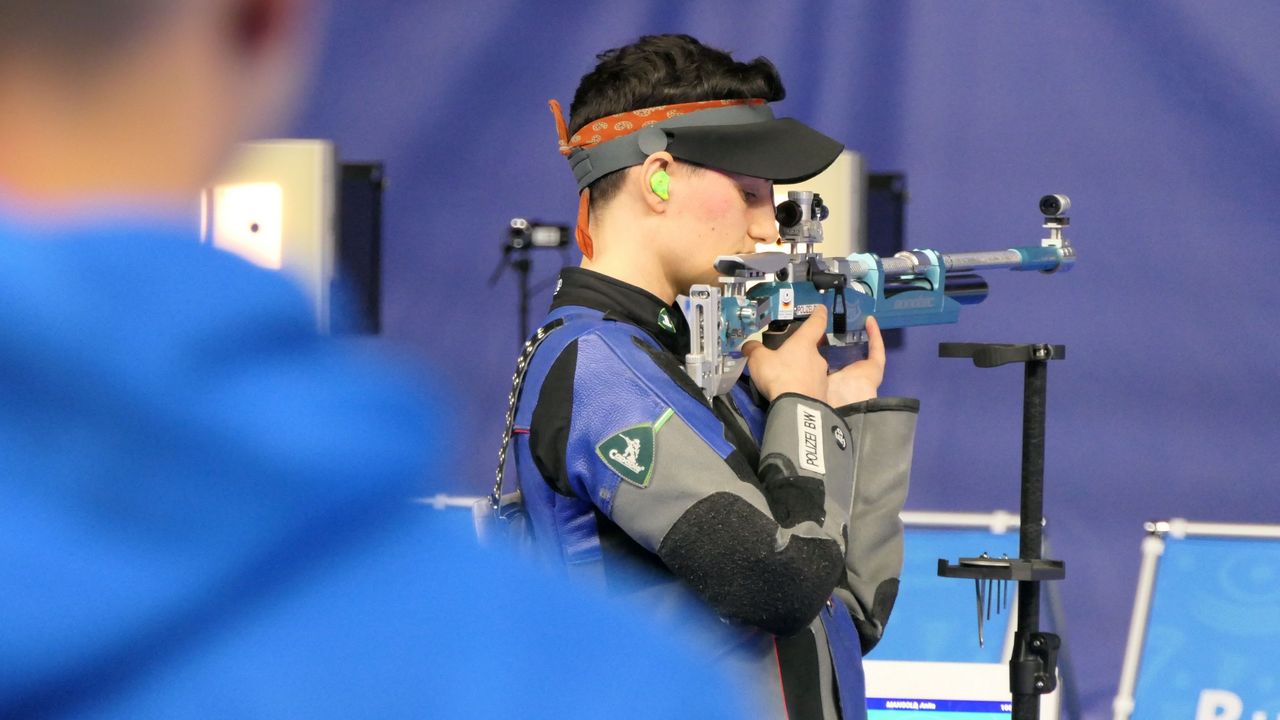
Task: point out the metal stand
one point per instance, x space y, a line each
1033 666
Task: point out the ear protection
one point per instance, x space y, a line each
660 184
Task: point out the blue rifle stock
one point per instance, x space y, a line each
770 293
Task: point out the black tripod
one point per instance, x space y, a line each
1033 666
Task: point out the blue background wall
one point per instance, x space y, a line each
1160 119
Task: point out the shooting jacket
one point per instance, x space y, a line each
780 519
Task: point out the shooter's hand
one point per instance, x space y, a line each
860 380
796 366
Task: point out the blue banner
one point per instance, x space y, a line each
1212 648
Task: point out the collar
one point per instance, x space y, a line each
627 303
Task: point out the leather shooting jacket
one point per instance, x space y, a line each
778 519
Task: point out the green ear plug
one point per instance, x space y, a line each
660 183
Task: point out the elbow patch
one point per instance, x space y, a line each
734 556
793 498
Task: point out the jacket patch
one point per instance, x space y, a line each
664 320
808 429
630 454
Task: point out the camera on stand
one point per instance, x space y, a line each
527 234
523 236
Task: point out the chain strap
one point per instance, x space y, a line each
517 382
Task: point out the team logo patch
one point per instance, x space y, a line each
664 320
630 454
841 439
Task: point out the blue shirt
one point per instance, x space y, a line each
204 512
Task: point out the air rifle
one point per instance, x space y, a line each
771 293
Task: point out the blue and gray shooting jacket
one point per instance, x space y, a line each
779 521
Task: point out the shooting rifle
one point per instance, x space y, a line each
771 293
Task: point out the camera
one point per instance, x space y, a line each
527 233
1054 205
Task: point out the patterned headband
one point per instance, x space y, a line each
619 125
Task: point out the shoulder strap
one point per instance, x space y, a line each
578 326
517 381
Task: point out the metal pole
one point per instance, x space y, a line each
1026 706
523 265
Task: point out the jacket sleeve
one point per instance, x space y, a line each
883 433
762 545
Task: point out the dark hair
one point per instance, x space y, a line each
75 33
661 70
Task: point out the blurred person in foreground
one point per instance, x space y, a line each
204 505
773 507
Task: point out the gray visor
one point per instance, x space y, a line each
742 139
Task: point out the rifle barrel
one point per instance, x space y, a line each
988 260
905 264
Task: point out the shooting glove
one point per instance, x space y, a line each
882 434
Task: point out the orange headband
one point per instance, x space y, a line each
614 127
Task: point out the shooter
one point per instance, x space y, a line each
745 503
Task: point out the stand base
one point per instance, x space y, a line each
1003 569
